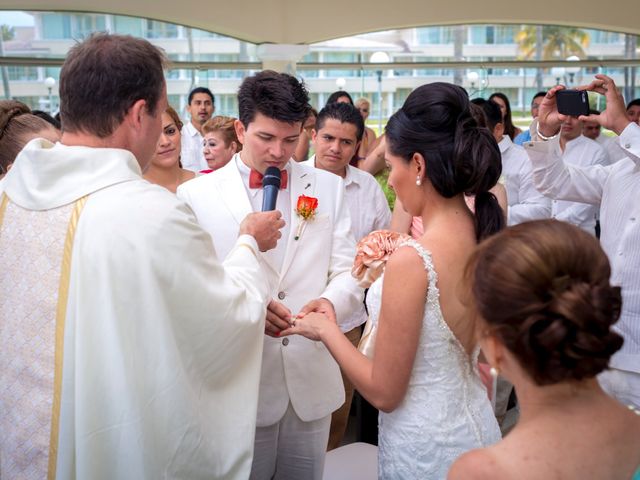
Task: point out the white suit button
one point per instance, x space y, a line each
285 341
281 295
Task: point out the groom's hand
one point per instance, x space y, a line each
278 318
264 227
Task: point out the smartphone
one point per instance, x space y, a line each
573 102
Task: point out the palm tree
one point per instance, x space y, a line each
558 42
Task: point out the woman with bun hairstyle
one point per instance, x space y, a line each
545 310
423 373
18 126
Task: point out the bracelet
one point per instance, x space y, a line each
542 136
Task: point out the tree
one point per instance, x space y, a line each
7 32
557 42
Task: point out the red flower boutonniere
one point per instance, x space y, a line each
306 209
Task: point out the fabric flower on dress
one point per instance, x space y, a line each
372 253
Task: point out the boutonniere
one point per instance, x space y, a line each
306 209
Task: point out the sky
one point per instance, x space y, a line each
16 19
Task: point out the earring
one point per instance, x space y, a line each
493 371
418 181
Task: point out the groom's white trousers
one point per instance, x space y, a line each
290 449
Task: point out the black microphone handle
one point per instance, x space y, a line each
270 196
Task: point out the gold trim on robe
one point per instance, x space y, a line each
61 314
4 200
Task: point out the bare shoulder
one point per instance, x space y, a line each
477 464
405 267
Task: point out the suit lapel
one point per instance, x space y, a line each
303 182
234 196
232 191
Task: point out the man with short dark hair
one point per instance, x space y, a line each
633 110
593 131
336 137
122 338
301 383
535 106
200 105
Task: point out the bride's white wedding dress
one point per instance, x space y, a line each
445 412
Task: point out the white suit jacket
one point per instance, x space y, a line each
318 264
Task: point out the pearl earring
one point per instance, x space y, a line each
493 371
418 181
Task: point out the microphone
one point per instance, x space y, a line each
270 186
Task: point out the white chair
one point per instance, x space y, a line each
356 461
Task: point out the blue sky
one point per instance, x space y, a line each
16 19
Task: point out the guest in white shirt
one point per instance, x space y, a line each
336 138
593 130
616 188
201 105
525 202
580 151
633 110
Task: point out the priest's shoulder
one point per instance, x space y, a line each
135 207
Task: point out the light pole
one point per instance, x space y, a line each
50 82
472 77
379 57
558 73
340 83
572 70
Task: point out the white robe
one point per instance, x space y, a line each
162 343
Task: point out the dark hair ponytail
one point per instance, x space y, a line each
461 157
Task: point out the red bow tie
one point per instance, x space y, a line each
255 179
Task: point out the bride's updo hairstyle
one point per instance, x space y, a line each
542 288
461 157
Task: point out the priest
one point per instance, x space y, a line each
127 350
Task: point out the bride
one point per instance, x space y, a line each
423 376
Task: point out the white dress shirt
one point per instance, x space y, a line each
283 204
192 154
581 152
616 188
525 202
369 211
611 148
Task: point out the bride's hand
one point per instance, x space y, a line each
311 326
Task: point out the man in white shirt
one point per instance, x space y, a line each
616 188
580 151
336 137
300 384
593 130
633 111
127 350
201 105
525 202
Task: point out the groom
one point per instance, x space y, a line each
300 385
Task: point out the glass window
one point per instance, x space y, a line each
128 25
156 29
56 26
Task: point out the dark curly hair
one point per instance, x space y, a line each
543 289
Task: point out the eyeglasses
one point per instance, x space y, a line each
365 110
